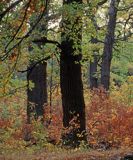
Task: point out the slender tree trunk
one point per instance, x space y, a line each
108 45
93 67
71 85
37 96
92 72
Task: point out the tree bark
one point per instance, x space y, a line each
94 65
37 97
92 72
37 74
108 45
71 85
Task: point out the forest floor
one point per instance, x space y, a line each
113 154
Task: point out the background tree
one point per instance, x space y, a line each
108 44
37 74
103 28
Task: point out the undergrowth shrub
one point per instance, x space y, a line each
124 93
12 117
109 122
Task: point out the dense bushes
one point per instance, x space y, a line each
109 122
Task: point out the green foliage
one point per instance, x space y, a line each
122 61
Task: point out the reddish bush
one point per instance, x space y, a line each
109 122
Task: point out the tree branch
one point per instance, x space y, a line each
102 2
24 17
27 34
9 8
44 40
29 70
126 8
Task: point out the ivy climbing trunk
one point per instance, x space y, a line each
71 81
108 44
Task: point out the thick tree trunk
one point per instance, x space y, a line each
72 87
108 45
37 96
37 74
72 97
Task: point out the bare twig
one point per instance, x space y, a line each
27 34
9 8
24 17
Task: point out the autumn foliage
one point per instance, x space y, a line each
108 121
